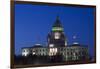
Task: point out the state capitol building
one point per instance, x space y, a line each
57 45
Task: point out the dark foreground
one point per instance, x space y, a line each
42 60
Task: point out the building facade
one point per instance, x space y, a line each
57 44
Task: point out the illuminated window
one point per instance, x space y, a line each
65 43
51 45
57 35
25 52
52 51
33 53
55 50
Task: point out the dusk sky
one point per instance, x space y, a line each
34 22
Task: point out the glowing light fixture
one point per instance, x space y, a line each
57 29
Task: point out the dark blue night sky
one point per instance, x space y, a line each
34 22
